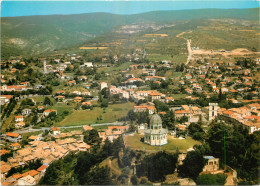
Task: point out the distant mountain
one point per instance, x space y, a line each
38 34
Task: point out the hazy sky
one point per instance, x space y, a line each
47 7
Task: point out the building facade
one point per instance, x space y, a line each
213 111
155 135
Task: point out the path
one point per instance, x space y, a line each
230 179
188 46
189 50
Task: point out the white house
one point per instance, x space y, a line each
55 131
18 118
103 85
27 111
5 99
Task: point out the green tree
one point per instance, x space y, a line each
211 179
192 165
91 137
157 166
47 101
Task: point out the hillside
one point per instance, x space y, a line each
38 34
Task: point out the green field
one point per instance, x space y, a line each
121 67
61 107
40 99
134 142
84 117
178 96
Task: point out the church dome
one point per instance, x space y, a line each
155 120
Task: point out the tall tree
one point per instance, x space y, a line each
192 165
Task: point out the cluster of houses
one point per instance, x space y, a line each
47 151
248 116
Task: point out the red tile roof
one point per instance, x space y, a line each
11 134
41 168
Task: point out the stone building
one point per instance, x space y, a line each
212 164
155 134
213 111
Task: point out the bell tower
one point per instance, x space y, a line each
213 111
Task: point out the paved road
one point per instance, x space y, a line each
26 130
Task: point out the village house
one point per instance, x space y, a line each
60 99
122 129
13 88
55 131
132 80
145 93
87 127
188 76
18 118
34 138
12 180
149 72
154 78
156 96
71 83
33 173
13 137
27 180
83 78
144 108
42 169
4 170
5 99
47 112
181 113
87 103
15 146
78 99
102 85
27 83
40 107
26 111
19 125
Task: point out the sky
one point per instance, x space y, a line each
48 7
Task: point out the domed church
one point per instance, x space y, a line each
155 135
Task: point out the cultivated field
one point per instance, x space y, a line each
92 48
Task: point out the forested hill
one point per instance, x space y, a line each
38 34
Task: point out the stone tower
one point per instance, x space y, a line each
213 111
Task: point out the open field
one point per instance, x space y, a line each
84 117
40 99
155 35
134 142
235 52
27 135
121 67
92 48
61 107
178 96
